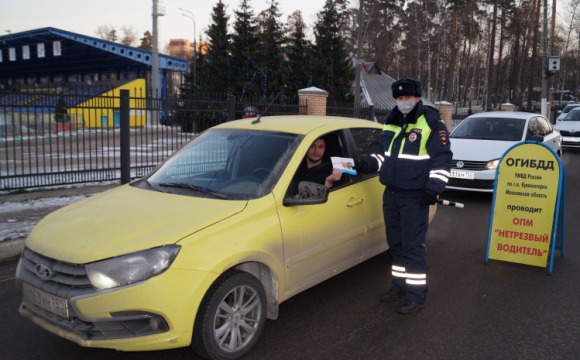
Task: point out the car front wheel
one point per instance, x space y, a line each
231 317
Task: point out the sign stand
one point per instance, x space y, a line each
527 216
559 223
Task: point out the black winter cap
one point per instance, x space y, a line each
406 87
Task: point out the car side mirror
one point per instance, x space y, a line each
538 138
309 193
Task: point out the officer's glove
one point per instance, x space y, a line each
429 198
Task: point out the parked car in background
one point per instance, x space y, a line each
204 249
569 128
480 140
566 110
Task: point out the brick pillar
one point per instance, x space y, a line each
507 107
446 111
315 100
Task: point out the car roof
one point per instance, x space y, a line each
298 124
576 109
575 105
504 114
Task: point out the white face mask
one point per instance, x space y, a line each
405 106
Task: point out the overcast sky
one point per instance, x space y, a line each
84 17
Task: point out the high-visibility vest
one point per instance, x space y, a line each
422 128
407 163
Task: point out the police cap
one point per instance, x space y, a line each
406 87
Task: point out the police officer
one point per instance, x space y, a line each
414 164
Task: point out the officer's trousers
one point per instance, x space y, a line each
406 222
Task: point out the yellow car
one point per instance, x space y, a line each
205 248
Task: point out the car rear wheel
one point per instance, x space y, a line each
231 317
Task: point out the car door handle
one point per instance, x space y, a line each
354 201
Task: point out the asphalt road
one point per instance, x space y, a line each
500 310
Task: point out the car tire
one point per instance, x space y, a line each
234 304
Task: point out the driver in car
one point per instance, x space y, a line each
316 170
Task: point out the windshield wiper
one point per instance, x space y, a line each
194 187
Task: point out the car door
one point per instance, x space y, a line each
321 240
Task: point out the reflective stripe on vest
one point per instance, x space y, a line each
425 130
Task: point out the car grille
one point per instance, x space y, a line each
569 133
72 277
469 165
471 184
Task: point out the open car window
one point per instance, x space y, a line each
335 146
367 142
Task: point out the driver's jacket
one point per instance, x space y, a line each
415 151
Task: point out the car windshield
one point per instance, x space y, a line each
226 164
568 108
572 116
490 128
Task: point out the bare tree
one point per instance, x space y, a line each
107 32
129 36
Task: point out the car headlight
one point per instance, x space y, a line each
492 165
131 268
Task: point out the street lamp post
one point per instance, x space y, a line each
155 93
189 14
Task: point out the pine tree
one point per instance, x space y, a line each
298 67
244 52
188 90
270 65
146 41
218 56
333 70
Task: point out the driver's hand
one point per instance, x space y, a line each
336 175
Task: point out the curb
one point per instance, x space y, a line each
11 249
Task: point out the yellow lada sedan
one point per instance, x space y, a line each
204 249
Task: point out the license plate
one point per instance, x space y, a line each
469 175
571 139
46 301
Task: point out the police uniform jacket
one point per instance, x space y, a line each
416 153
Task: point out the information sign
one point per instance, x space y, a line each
526 209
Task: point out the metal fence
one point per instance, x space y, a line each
40 146
37 148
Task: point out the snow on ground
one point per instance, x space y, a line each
18 218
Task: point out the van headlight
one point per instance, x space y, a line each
131 268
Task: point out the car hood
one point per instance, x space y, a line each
124 220
568 125
479 150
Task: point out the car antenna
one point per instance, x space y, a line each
257 120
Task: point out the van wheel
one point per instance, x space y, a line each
230 317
